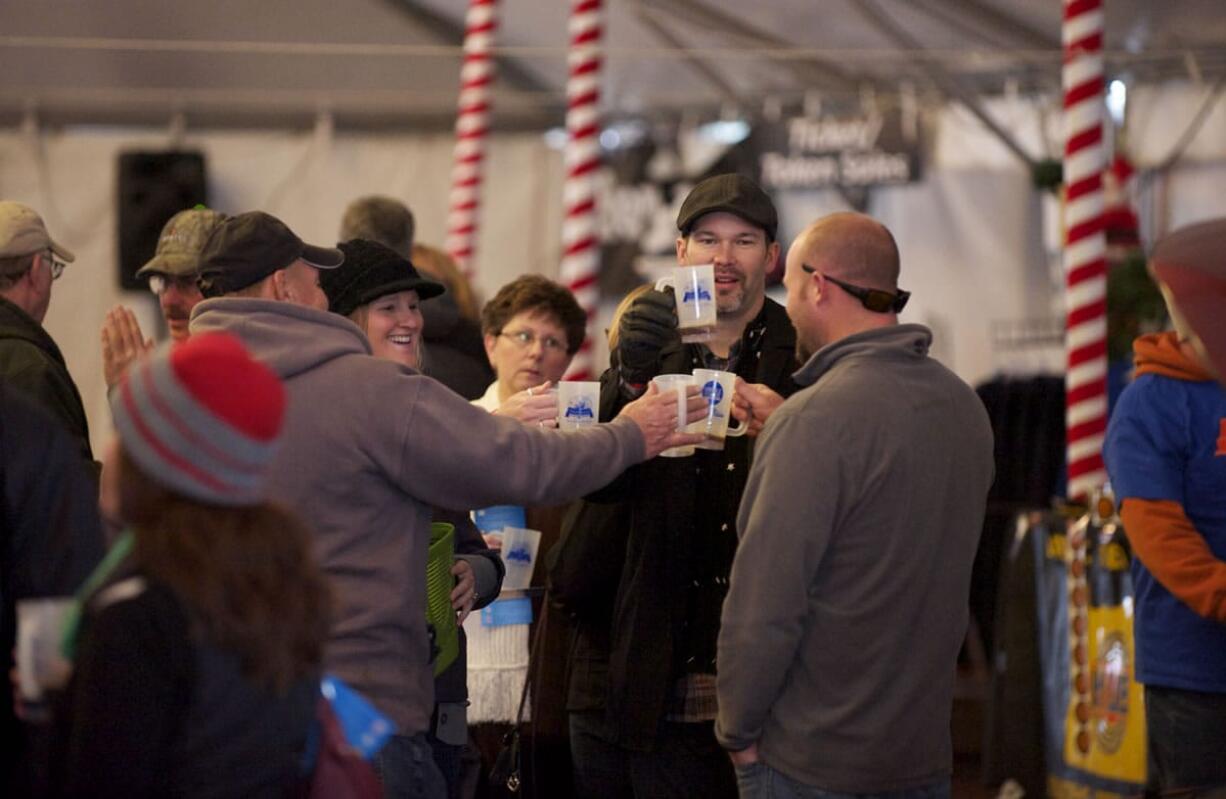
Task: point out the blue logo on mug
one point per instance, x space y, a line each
519 554
713 391
702 295
581 408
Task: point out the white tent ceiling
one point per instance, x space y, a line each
373 63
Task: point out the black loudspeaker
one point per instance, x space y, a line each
153 187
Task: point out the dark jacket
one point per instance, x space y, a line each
585 567
682 538
31 363
455 355
153 709
50 534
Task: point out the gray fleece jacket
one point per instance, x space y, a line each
369 446
848 595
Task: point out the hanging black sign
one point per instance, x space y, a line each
848 150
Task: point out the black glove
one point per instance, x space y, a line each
648 326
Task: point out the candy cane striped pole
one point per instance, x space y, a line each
580 242
1085 263
471 128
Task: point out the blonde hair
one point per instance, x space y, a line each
440 266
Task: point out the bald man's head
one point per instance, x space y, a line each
852 247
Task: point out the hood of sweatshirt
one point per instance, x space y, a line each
289 338
1160 354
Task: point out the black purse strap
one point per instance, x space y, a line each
509 765
534 657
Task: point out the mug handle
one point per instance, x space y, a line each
739 430
666 282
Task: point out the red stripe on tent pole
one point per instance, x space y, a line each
1081 92
1087 313
1081 394
1082 282
1075 8
1079 356
1084 46
1082 187
472 109
584 208
1087 467
1087 138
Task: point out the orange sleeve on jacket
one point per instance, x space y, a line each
1176 554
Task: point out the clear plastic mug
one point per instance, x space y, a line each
717 388
519 546
694 290
41 666
678 383
578 404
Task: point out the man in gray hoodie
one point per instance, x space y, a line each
370 446
858 526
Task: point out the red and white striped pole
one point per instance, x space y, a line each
471 128
580 268
1085 262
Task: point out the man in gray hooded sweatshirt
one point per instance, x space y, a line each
848 597
370 446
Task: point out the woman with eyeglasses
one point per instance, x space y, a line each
532 329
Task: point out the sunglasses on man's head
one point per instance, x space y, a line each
875 300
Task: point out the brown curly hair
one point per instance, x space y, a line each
539 295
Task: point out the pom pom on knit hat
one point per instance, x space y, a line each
202 418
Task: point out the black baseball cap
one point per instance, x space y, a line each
372 271
733 194
247 248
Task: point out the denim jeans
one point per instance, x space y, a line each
760 781
405 766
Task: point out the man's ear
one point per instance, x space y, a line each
280 286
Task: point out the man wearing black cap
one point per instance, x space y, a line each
255 255
369 446
656 735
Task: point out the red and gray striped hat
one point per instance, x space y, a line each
202 418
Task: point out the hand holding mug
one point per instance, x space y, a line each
656 413
752 405
646 328
465 592
537 405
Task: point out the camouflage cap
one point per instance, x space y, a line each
182 239
22 232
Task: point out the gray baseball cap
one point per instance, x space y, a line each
22 232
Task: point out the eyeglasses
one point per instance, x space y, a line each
526 338
56 265
159 284
875 300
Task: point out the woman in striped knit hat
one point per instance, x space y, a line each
197 656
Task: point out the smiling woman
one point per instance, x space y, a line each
381 292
